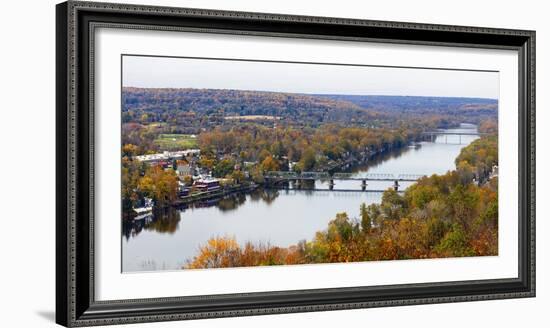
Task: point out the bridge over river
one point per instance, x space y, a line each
275 177
432 135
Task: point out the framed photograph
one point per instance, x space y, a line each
215 163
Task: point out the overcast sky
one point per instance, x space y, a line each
161 72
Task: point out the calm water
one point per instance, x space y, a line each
278 217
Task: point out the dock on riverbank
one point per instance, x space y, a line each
207 195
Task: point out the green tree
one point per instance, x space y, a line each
238 176
223 168
257 175
455 243
307 161
392 205
420 195
277 149
463 201
365 219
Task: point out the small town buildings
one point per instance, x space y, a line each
163 163
207 185
183 189
249 164
184 170
494 172
167 156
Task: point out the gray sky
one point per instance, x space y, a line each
161 72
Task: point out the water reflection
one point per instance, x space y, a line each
268 196
164 220
232 202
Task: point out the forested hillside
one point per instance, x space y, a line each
193 109
422 105
199 105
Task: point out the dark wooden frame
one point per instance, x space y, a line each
75 303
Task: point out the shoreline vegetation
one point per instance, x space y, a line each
439 216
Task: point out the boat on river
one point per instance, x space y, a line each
144 216
145 210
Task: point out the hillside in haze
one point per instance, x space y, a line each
421 105
209 107
237 102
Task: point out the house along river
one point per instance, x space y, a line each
278 217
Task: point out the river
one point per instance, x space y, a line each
277 217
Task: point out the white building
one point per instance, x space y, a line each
167 155
185 169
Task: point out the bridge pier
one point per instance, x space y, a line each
287 185
308 180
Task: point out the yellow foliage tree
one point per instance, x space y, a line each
217 253
270 164
159 184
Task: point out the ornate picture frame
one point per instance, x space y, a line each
76 302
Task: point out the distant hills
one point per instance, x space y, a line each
199 105
231 101
420 105
214 102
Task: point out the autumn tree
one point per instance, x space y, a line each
270 164
188 180
480 156
217 253
257 175
159 184
129 150
238 176
207 162
130 175
488 126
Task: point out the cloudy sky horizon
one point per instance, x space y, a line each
172 72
